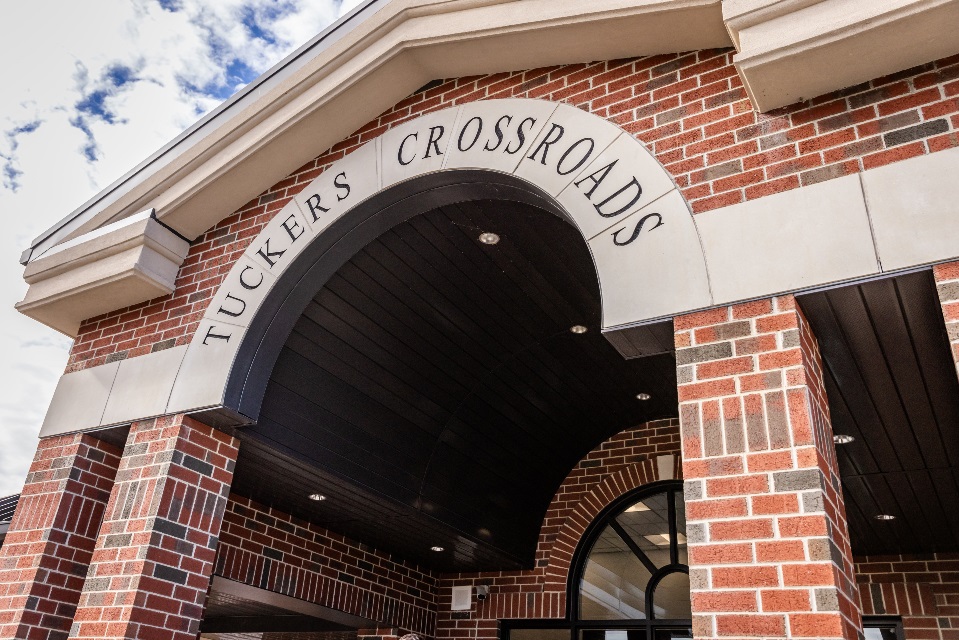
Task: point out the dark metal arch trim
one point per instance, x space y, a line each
336 245
596 527
654 581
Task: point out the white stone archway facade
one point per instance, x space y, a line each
624 203
653 257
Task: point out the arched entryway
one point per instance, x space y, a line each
582 168
418 360
452 392
443 382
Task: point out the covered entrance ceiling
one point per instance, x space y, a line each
892 386
434 394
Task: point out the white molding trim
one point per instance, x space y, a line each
130 261
794 50
624 203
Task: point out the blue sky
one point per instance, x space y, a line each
90 90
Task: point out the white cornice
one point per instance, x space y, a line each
388 48
127 262
793 50
398 47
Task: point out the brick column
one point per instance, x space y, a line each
154 554
769 544
947 283
48 547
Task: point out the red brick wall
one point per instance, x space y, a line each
769 546
311 563
47 550
308 562
689 109
924 590
275 551
151 568
833 501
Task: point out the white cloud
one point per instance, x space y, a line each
348 5
90 90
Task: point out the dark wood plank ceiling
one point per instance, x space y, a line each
433 392
892 386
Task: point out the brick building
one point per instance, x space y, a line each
530 319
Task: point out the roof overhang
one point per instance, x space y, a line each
384 51
794 50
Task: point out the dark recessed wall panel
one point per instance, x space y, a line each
892 385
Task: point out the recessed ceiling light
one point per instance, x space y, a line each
437 549
317 497
643 396
884 516
842 438
662 539
578 328
488 238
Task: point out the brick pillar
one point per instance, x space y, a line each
769 544
947 282
48 546
154 554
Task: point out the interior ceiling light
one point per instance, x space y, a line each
884 516
643 396
639 506
578 328
842 438
488 238
317 497
437 549
662 539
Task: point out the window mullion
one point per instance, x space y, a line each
673 537
622 533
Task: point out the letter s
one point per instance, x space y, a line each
637 229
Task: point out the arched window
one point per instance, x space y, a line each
630 579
